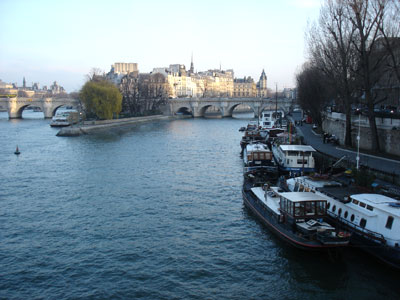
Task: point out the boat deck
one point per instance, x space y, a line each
271 202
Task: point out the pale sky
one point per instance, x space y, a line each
63 40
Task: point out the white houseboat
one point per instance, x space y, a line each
65 118
294 158
373 219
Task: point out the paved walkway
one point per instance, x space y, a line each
383 164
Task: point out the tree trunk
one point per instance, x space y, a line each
372 123
347 138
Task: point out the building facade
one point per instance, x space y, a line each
262 86
119 70
183 83
245 87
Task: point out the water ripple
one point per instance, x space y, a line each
150 212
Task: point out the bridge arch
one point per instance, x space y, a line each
20 109
183 110
203 109
230 109
273 108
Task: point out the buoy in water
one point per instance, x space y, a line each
17 151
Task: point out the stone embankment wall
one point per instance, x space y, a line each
94 126
388 131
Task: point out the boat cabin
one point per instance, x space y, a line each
302 205
257 154
296 157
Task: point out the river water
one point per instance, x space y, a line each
152 211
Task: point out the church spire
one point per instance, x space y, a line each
191 65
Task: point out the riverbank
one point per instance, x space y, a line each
94 126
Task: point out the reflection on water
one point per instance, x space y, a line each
151 211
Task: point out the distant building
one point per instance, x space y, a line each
188 83
262 86
55 88
7 88
124 68
33 91
244 87
4 85
289 93
36 86
119 70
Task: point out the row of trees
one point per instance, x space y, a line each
143 94
134 96
354 53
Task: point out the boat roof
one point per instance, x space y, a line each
335 189
297 148
257 147
302 196
382 202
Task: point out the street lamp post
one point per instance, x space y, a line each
358 143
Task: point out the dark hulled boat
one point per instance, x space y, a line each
297 218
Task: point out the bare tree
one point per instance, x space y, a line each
312 91
367 17
330 44
390 31
94 74
143 94
130 93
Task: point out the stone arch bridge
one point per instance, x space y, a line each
15 106
198 106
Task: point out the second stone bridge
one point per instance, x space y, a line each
198 106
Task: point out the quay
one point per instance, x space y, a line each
383 165
94 126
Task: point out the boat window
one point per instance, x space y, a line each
362 204
288 161
310 208
369 207
266 115
292 153
321 207
296 187
328 205
334 208
355 202
340 211
352 218
300 161
363 222
298 209
306 153
346 214
290 208
389 222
